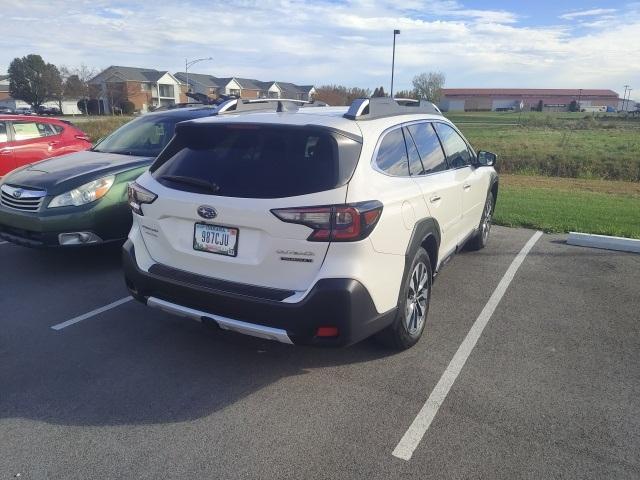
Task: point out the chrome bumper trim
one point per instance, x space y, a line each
225 323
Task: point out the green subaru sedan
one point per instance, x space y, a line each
81 198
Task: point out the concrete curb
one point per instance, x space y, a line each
602 241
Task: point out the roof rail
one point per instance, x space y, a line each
237 105
379 107
408 102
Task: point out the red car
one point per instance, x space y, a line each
28 139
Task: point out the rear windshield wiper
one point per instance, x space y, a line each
210 186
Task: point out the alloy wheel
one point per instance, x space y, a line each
486 223
417 299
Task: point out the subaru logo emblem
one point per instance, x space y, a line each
17 193
205 211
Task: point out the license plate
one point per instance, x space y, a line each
215 239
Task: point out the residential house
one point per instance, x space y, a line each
146 88
290 90
4 87
202 83
244 87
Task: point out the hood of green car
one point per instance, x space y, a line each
64 173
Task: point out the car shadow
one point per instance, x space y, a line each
134 365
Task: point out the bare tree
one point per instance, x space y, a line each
406 94
117 94
379 92
429 85
339 94
76 83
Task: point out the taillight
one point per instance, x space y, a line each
83 136
138 196
335 223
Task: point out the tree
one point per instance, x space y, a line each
407 94
76 84
429 86
34 81
339 94
379 92
127 107
74 87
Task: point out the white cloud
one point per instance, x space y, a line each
596 12
328 41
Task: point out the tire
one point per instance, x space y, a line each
480 239
411 315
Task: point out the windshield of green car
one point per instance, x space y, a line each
143 137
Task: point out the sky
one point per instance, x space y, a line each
475 43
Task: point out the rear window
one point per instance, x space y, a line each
256 161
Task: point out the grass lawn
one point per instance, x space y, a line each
565 144
563 205
98 127
612 154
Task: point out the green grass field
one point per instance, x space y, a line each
563 205
575 145
612 154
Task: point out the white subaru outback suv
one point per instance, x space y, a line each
308 225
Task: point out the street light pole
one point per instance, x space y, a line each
188 64
393 58
624 98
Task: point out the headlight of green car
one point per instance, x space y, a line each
87 193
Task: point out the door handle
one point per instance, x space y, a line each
54 143
466 186
435 198
5 151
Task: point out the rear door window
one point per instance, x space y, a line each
392 154
458 153
30 130
256 161
429 147
3 132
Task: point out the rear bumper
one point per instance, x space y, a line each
337 302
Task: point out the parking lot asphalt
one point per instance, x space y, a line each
551 389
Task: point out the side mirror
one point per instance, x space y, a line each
486 159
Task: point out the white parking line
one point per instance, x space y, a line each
412 437
2 243
92 313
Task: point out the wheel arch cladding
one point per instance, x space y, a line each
426 234
494 188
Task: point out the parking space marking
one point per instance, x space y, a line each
92 313
2 243
412 437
